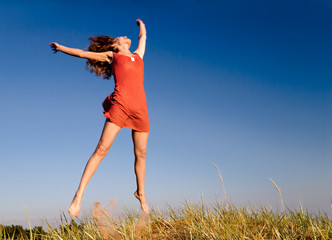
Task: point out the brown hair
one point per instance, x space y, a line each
100 44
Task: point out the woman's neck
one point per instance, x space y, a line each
124 50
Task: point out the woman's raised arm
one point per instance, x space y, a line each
141 38
97 56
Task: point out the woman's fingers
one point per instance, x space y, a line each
54 47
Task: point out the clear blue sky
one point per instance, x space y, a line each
245 85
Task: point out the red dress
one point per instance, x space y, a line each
126 106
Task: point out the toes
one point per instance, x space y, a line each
145 210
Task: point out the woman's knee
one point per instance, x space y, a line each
140 152
102 150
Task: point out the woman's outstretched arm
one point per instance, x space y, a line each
100 56
141 38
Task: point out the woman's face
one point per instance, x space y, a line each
123 41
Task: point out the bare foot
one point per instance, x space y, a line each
141 199
75 206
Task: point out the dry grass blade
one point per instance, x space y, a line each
222 183
282 202
29 223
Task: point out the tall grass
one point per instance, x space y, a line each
194 221
217 220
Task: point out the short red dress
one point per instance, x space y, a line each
126 106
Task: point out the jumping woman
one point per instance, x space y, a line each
125 107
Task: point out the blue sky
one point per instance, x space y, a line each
245 85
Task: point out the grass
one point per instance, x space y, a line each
192 221
218 220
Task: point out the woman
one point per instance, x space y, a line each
125 107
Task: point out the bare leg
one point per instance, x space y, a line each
140 140
107 137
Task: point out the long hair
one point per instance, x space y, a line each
100 44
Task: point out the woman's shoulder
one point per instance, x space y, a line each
137 53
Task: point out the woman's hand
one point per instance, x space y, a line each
139 22
55 47
96 56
